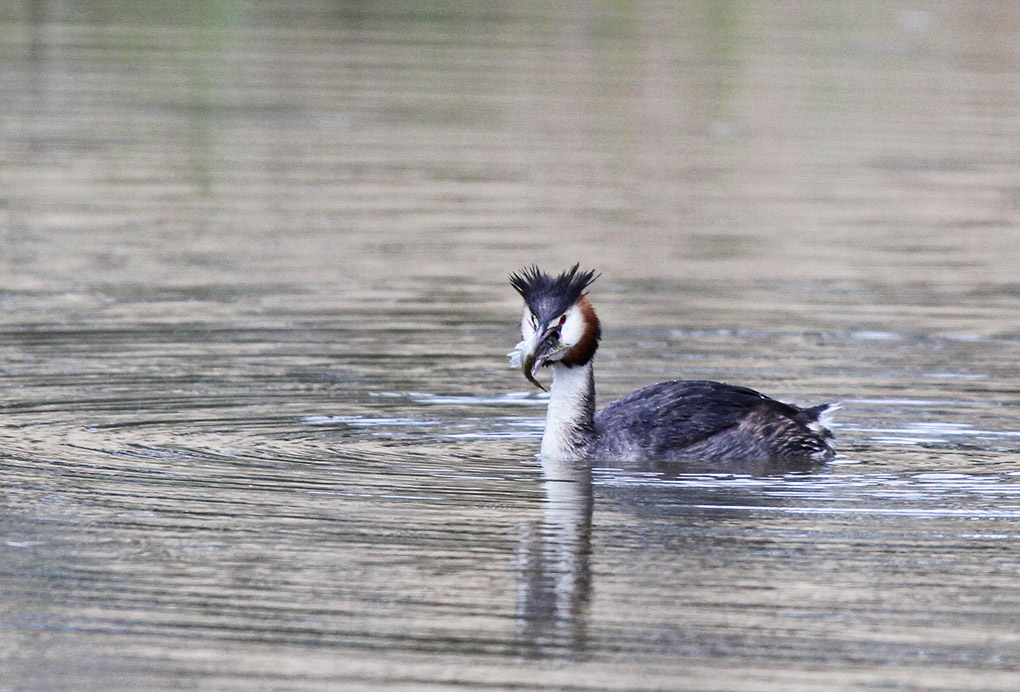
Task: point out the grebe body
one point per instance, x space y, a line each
704 423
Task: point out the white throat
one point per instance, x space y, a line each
569 422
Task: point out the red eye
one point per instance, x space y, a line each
563 319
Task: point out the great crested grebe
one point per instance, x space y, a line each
686 420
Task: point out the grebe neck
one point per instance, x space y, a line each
570 420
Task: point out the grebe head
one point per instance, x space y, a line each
559 323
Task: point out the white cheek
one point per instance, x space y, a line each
527 328
573 328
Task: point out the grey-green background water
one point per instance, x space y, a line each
257 427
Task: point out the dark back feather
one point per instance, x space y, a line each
665 419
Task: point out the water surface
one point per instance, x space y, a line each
258 428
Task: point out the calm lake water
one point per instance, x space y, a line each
258 430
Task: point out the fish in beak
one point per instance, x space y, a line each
531 354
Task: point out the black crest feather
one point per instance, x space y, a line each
548 297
